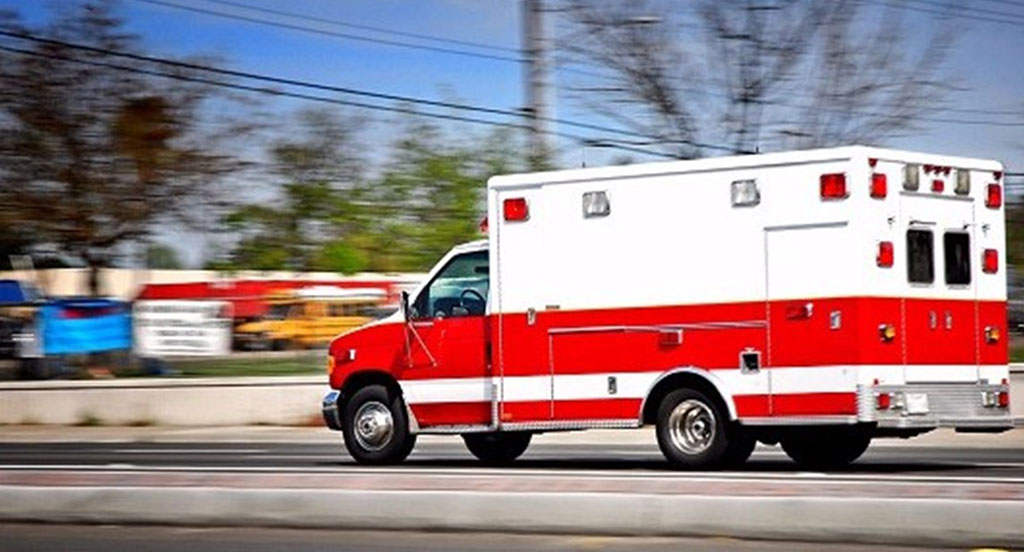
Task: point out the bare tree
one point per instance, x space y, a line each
95 150
748 75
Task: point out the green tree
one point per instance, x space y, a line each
429 197
162 256
318 182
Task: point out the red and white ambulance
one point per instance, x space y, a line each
816 299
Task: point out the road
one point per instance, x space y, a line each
18 537
891 460
941 473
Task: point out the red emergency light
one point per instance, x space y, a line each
885 254
833 186
879 186
938 186
994 197
991 261
516 209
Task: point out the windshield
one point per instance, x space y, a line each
277 312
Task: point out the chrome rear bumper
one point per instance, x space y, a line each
931 405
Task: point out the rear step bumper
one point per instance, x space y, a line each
964 406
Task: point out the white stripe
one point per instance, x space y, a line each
733 382
808 478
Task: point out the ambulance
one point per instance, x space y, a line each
815 299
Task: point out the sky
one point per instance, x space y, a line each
986 59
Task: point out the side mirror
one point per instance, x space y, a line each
405 305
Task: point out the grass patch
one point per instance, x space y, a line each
87 419
1017 353
250 366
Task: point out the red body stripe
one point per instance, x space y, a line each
713 336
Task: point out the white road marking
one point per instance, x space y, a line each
791 477
186 451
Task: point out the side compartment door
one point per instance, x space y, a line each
520 254
807 336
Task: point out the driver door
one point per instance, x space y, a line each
449 319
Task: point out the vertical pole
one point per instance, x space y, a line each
537 48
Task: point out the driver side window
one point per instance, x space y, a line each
460 289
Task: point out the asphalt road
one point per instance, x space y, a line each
891 460
890 470
107 538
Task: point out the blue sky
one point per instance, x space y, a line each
987 59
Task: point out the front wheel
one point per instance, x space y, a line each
376 427
826 447
498 447
694 431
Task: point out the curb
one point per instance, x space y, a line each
921 522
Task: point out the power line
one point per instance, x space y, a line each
362 27
956 10
951 14
1006 2
362 105
520 60
325 87
335 34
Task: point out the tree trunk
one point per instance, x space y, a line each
94 276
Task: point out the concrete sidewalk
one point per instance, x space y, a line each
813 509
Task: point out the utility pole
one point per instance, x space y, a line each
537 48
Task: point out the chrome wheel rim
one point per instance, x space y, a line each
374 426
692 426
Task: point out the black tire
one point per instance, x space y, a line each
741 446
499 447
833 447
377 449
719 432
279 345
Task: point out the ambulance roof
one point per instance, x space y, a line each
737 162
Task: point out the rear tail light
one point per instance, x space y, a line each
883 401
330 364
991 261
938 186
879 187
1004 399
833 186
516 209
885 254
994 197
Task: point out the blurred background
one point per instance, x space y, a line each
218 187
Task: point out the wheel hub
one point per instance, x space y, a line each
374 426
692 426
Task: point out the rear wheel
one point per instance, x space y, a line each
694 431
498 447
376 427
741 446
826 447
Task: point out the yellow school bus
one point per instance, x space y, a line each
309 317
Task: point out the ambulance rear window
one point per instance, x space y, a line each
920 261
957 247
